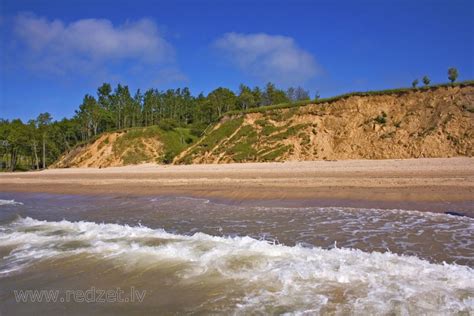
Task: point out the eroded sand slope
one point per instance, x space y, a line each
112 150
425 123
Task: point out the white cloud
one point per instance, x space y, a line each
91 45
269 57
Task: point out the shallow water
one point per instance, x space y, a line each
193 255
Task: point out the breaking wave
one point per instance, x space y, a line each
271 277
9 202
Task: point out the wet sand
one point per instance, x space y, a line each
444 184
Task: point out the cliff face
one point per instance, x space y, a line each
438 122
128 147
112 150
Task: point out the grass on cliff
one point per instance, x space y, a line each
288 105
242 147
213 138
223 131
244 140
174 140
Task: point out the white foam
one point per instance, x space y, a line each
9 202
296 279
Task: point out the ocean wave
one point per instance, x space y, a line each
9 202
272 277
377 211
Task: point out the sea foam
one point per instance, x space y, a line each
9 202
273 277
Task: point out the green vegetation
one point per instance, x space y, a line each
414 83
240 142
243 149
174 141
40 142
279 106
398 91
131 136
287 133
452 74
426 81
381 119
266 140
225 130
273 155
270 129
174 116
317 96
136 155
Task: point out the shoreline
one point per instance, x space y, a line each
427 184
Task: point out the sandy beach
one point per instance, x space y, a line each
422 184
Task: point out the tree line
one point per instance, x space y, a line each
452 76
37 143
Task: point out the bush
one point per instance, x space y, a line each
167 124
175 141
197 129
168 157
380 119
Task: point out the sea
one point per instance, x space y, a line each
141 255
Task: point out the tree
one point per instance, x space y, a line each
188 104
245 98
257 96
272 95
4 145
34 141
104 99
43 121
301 94
290 93
452 74
414 83
297 94
40 142
222 100
68 133
90 114
136 108
122 105
317 96
426 81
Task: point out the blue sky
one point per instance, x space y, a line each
54 52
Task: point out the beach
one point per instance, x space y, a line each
325 237
435 185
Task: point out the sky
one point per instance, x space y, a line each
54 52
